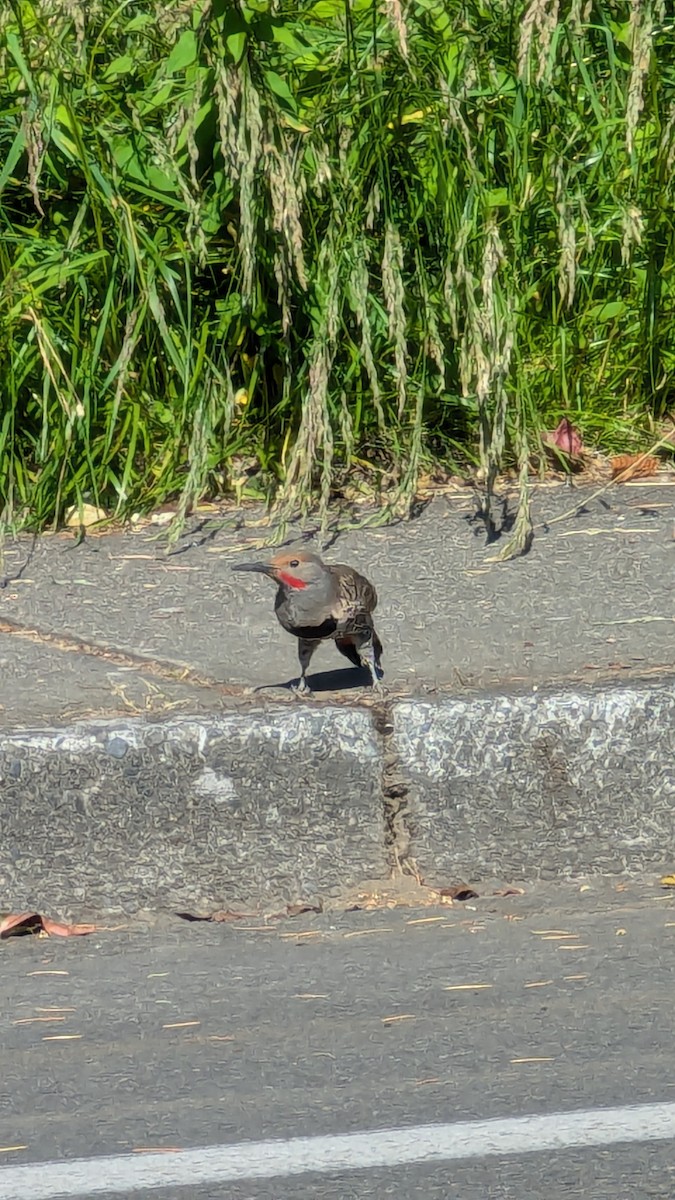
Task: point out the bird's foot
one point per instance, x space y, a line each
379 689
302 688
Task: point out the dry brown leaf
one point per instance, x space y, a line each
633 466
297 910
18 924
460 891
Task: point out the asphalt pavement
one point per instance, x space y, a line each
113 624
168 1038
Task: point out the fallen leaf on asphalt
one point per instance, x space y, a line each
621 933
460 891
633 466
297 910
667 881
19 924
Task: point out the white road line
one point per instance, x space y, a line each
125 1173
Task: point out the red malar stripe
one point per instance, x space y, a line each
291 581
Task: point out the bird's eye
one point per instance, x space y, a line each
294 563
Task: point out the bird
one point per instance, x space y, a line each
318 602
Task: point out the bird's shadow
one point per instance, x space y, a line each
326 681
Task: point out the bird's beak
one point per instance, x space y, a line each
261 568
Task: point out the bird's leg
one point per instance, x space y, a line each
366 653
306 649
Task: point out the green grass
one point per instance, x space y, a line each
243 244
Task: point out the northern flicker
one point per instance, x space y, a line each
317 602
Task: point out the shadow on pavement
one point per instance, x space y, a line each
326 681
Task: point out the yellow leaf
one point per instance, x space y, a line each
84 515
667 881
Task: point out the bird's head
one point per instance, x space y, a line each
295 569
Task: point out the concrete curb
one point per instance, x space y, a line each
541 785
279 804
203 813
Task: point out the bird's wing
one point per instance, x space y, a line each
356 593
